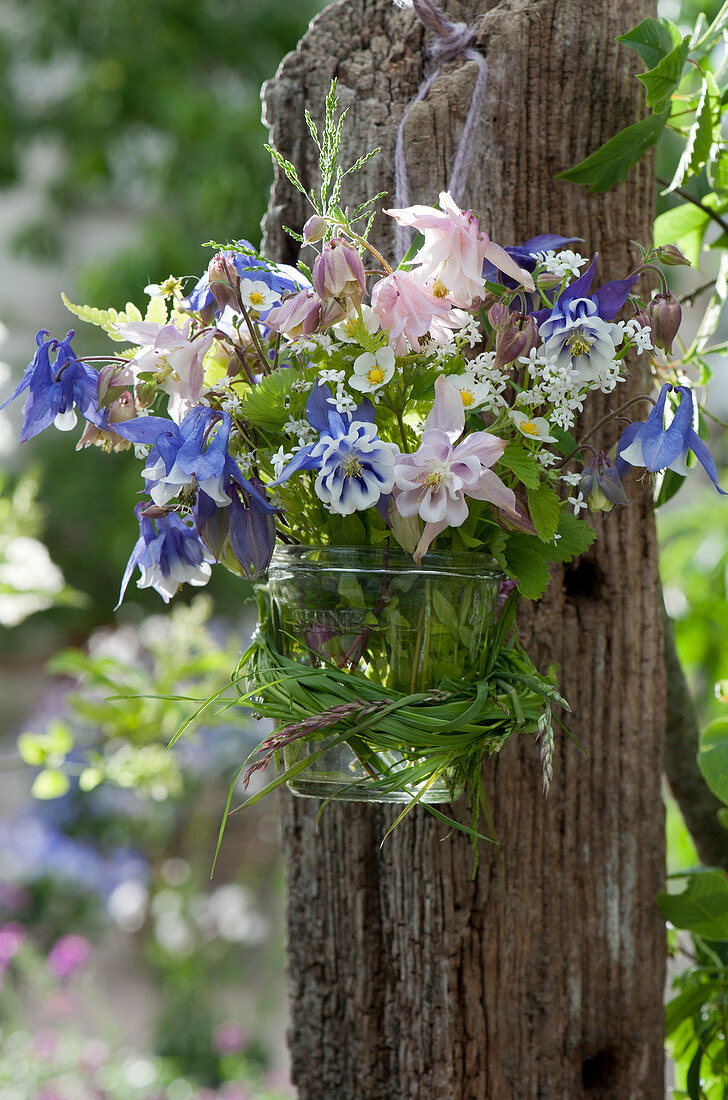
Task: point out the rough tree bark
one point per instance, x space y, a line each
544 976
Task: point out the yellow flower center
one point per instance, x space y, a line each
528 427
375 376
349 326
578 343
468 398
256 298
352 466
439 290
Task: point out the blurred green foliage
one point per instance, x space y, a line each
152 107
143 110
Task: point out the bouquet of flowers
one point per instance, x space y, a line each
393 446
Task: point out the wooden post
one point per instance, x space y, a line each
544 976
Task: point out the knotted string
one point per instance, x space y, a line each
453 40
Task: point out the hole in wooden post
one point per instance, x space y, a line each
598 1070
583 581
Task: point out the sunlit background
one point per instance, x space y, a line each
129 134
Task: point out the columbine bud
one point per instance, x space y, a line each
671 256
314 229
531 330
601 485
547 280
331 313
146 393
666 317
222 279
499 315
339 272
299 315
511 343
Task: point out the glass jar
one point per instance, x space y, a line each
377 613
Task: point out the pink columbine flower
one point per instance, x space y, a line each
174 356
455 250
434 481
408 309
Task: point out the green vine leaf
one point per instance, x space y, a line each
545 508
662 81
700 136
612 162
653 39
702 908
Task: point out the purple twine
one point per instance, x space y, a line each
452 41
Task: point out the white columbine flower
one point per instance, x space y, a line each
533 427
372 370
257 295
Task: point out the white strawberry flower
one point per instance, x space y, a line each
372 370
533 427
473 392
257 295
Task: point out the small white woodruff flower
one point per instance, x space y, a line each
343 402
473 392
572 478
533 427
332 377
296 427
547 458
372 370
257 295
562 263
280 459
578 503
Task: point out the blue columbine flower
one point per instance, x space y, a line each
526 256
56 389
577 332
184 457
652 445
279 277
243 532
355 467
168 552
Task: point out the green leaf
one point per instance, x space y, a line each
104 318
702 908
265 406
611 162
661 81
60 738
720 172
157 310
526 564
50 784
575 536
526 468
33 748
700 136
685 1005
713 757
653 39
723 818
685 226
670 482
445 611
545 508
90 778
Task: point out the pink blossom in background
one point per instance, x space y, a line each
407 308
67 955
230 1038
455 249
